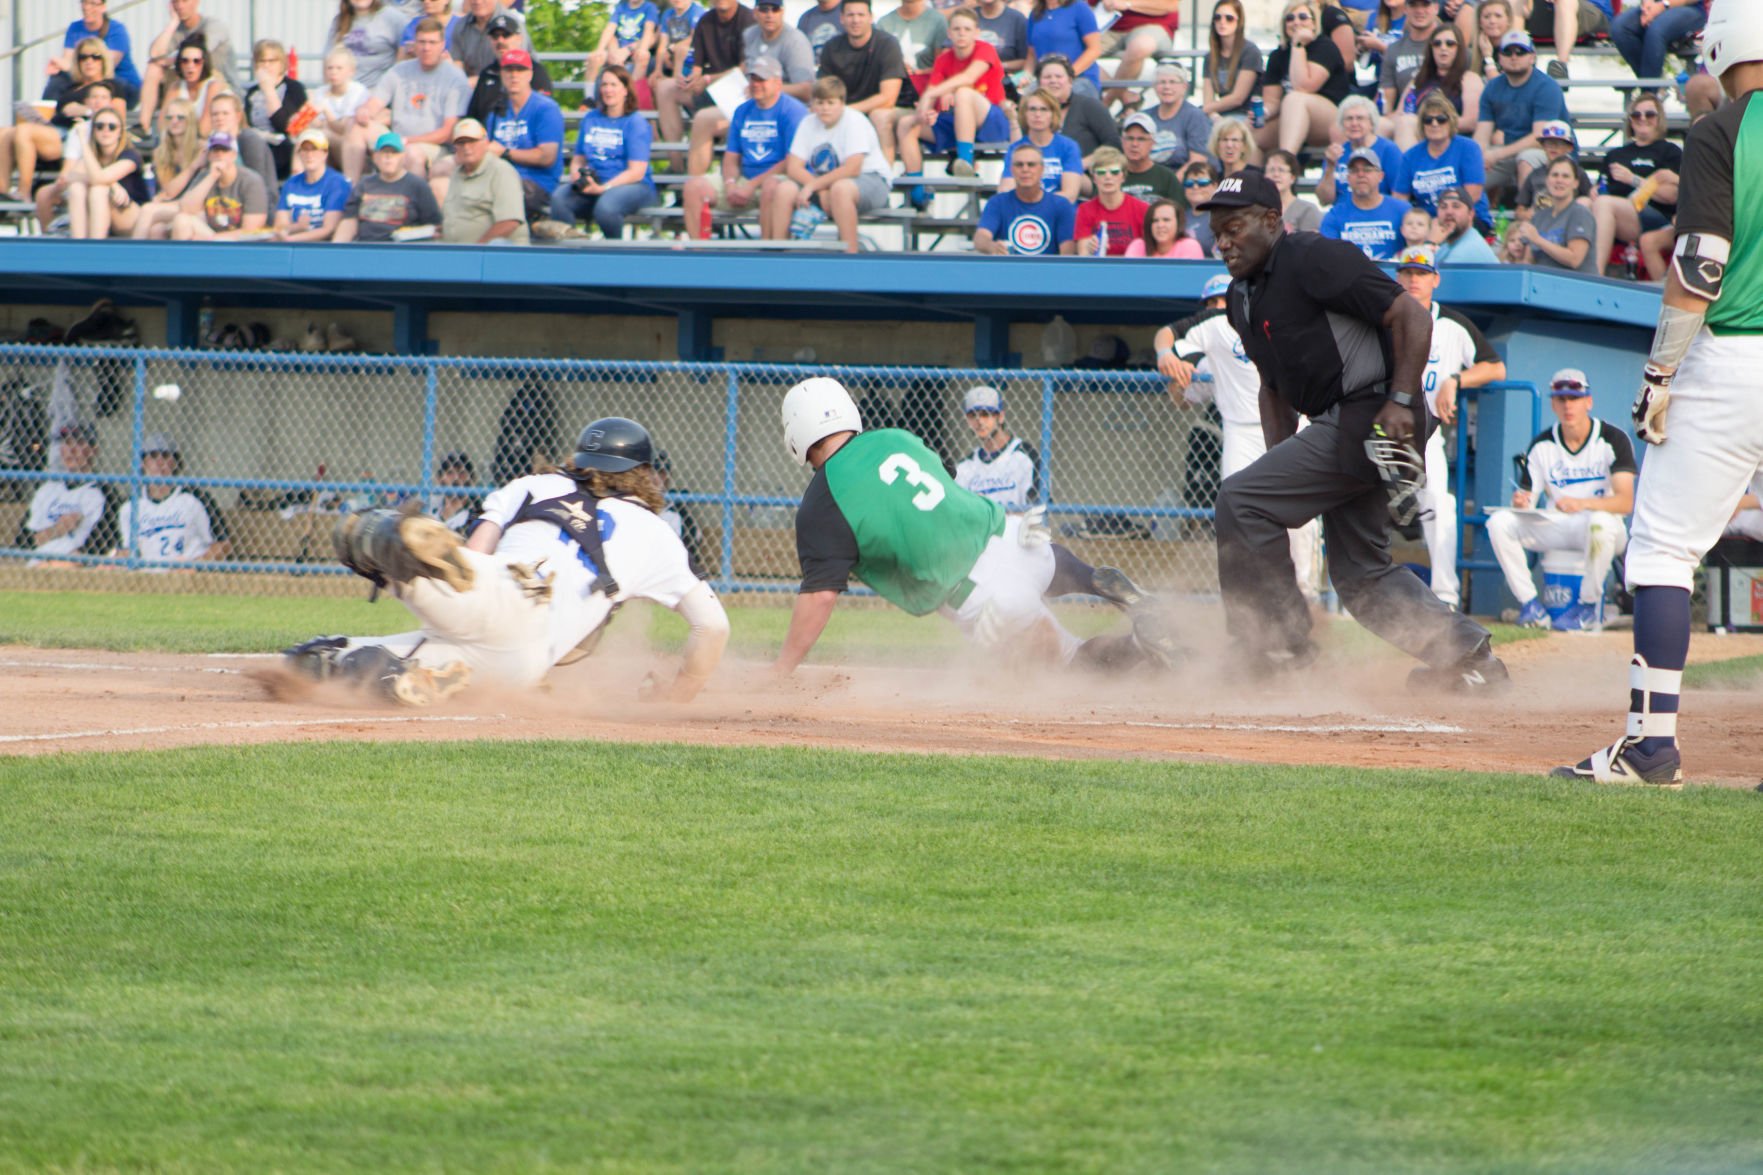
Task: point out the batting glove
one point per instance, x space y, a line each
1034 531
1650 404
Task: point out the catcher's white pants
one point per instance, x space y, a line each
1006 605
1690 485
1600 536
1441 528
1243 443
495 627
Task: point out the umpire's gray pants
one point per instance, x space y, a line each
1295 481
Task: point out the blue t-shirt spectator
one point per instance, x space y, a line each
1061 155
1378 230
612 144
306 203
1030 229
1468 249
116 39
677 25
761 136
1388 154
630 20
1062 30
1514 110
540 121
1422 177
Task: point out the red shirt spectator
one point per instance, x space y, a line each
1119 226
990 85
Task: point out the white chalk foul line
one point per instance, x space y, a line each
363 720
1385 727
110 667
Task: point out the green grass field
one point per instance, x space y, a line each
660 959
548 956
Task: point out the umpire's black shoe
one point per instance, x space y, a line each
1254 666
1479 673
1112 584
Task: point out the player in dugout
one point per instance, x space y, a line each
881 508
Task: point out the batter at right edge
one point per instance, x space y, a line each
1699 404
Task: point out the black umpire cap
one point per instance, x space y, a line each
1248 188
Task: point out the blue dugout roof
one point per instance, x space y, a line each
701 285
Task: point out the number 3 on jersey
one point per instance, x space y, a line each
930 490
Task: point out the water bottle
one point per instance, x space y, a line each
805 220
705 220
205 323
1257 112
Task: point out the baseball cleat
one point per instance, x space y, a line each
1579 618
1533 615
422 686
1112 584
1622 762
317 658
436 548
1156 638
1479 673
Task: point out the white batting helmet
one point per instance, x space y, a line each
814 409
1733 36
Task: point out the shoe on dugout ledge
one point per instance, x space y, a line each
1579 618
1478 673
1533 615
1623 762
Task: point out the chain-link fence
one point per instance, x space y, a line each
273 447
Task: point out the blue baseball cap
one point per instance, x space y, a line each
1216 287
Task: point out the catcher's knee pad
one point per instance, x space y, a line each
384 544
401 679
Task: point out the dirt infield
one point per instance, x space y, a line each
1568 698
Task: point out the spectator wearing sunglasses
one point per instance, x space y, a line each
1198 182
1644 169
106 186
1113 220
1403 58
1445 71
76 96
1305 83
1442 159
112 34
187 24
1514 106
1233 64
194 80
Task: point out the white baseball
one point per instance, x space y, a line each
167 392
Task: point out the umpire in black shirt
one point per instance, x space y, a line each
1334 339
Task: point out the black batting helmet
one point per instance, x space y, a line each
613 444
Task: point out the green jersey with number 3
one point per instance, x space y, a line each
918 533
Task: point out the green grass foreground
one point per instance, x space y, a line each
651 958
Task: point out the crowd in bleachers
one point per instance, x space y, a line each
1027 126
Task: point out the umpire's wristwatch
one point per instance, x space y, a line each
1403 399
